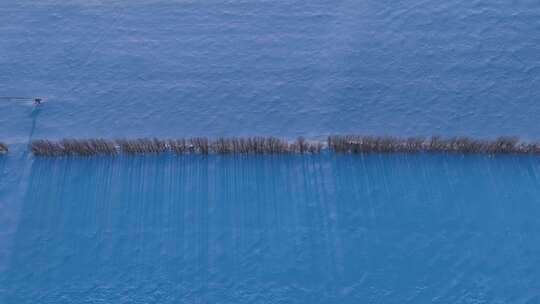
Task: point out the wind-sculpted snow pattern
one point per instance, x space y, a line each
278 228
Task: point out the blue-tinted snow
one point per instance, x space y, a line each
311 229
286 68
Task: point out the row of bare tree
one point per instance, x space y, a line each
195 145
272 145
372 144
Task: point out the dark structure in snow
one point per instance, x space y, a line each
3 148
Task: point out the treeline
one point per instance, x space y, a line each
372 144
195 145
353 144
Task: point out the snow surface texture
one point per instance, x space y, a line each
282 229
287 229
284 68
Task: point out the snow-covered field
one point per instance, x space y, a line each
287 68
266 229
